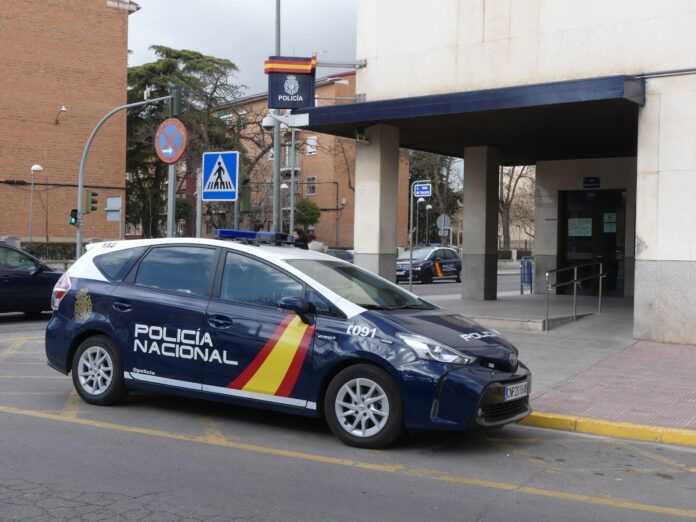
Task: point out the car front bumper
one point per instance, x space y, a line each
461 397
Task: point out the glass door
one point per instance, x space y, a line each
592 228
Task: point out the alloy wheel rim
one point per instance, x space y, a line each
362 407
95 370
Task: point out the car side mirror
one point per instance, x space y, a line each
299 306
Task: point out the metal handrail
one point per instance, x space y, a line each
600 275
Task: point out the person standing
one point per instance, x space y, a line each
314 245
299 239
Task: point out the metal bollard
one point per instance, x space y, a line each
575 292
601 276
546 323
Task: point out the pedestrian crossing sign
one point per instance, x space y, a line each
220 176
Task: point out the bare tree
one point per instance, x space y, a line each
510 178
523 208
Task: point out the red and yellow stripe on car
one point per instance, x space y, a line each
276 368
438 269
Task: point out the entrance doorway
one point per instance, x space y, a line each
592 228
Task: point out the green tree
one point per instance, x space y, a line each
307 212
207 83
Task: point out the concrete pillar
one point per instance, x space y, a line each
480 224
665 277
376 180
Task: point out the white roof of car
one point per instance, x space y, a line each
85 268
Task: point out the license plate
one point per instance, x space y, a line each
400 272
516 391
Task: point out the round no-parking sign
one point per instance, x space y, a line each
170 140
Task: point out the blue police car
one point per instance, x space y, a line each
278 328
429 264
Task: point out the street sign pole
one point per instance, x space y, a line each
411 197
276 139
171 204
199 205
292 180
83 162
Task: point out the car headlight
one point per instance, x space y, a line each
416 268
431 350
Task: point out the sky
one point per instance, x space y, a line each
244 31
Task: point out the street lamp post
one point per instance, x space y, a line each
35 169
420 200
428 208
283 186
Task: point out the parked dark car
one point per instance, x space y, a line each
25 282
345 255
430 264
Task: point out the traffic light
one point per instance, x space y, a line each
175 102
73 217
91 201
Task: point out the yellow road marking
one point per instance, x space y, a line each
659 458
72 404
25 363
24 339
215 440
11 349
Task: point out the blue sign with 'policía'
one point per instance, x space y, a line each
220 176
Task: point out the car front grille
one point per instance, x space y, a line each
495 413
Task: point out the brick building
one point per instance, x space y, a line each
56 53
324 167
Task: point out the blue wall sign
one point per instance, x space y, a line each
422 190
220 176
590 182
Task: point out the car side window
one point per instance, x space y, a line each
13 260
249 280
115 265
451 254
183 269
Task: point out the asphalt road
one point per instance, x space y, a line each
164 458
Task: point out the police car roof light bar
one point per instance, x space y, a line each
252 238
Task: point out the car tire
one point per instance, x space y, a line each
427 277
97 372
459 278
376 424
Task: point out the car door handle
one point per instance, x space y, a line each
120 306
219 321
5 279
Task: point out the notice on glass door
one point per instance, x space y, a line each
609 222
579 227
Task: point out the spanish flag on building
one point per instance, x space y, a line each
285 64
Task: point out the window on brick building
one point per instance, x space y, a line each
311 186
311 145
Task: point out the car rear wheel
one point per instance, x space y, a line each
427 277
97 373
363 407
459 278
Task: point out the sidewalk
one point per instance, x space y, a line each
592 376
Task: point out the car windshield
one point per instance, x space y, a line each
419 254
358 286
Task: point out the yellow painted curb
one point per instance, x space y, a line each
622 430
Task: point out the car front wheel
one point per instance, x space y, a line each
363 407
97 373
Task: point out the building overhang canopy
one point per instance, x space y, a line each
588 118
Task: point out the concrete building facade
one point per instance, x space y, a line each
601 96
71 54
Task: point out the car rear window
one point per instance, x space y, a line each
115 265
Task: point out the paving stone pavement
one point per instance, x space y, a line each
647 383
